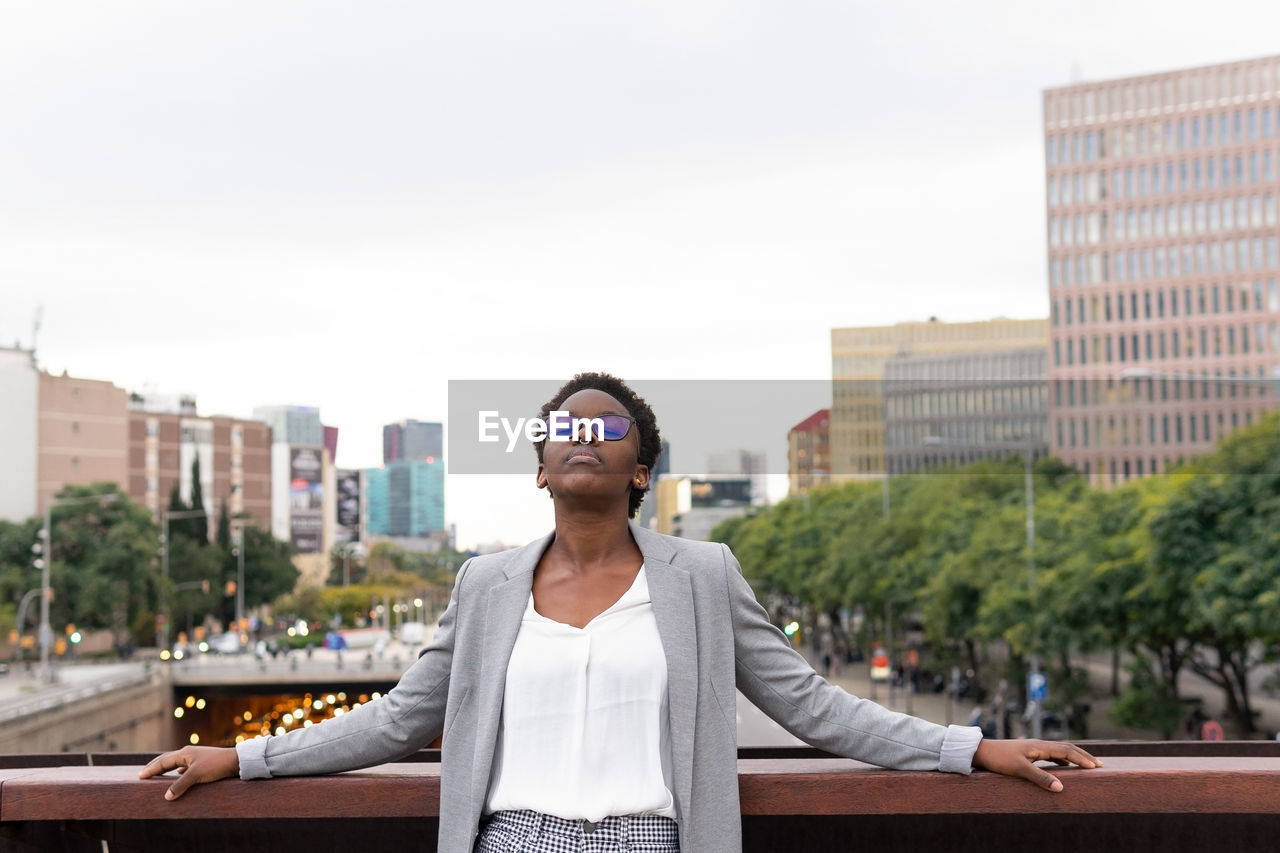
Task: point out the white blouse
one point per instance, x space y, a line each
584 731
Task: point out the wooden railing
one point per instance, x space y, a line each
1172 796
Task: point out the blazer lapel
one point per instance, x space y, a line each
671 592
503 612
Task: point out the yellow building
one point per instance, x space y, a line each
858 357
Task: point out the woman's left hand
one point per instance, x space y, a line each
1018 757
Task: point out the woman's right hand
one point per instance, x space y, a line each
194 764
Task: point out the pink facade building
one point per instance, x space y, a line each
1161 196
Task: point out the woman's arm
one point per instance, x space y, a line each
778 680
410 716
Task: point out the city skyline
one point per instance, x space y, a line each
349 212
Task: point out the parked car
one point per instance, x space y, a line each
225 644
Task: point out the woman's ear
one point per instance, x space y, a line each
641 478
541 476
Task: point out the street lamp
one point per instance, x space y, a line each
1027 446
348 548
164 567
238 550
45 636
888 605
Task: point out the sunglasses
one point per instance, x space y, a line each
608 427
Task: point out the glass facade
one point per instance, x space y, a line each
1170 292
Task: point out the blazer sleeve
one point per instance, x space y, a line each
779 681
401 722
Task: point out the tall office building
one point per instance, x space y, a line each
415 492
303 510
405 499
166 435
83 434
751 464
377 512
942 410
19 447
1162 263
412 439
859 358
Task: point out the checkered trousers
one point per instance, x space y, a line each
531 832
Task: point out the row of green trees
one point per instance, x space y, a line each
385 573
1180 571
106 570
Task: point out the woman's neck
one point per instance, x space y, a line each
590 540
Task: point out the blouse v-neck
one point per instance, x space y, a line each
635 594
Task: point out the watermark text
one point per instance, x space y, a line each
559 426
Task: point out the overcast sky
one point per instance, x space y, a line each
346 205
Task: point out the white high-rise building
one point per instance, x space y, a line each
19 400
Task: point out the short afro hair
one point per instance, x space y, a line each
646 423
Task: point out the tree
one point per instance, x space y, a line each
268 567
199 526
222 538
105 563
346 564
195 528
1222 526
194 588
18 573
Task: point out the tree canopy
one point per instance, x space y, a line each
1178 571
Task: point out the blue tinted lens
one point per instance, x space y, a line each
616 427
607 427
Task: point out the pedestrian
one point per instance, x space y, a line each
658 631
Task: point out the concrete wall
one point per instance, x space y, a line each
136 718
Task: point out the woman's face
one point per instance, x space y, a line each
588 466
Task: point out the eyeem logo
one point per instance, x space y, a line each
560 426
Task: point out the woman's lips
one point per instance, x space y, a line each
582 456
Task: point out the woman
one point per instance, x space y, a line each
585 684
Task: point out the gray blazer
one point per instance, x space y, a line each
716 637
